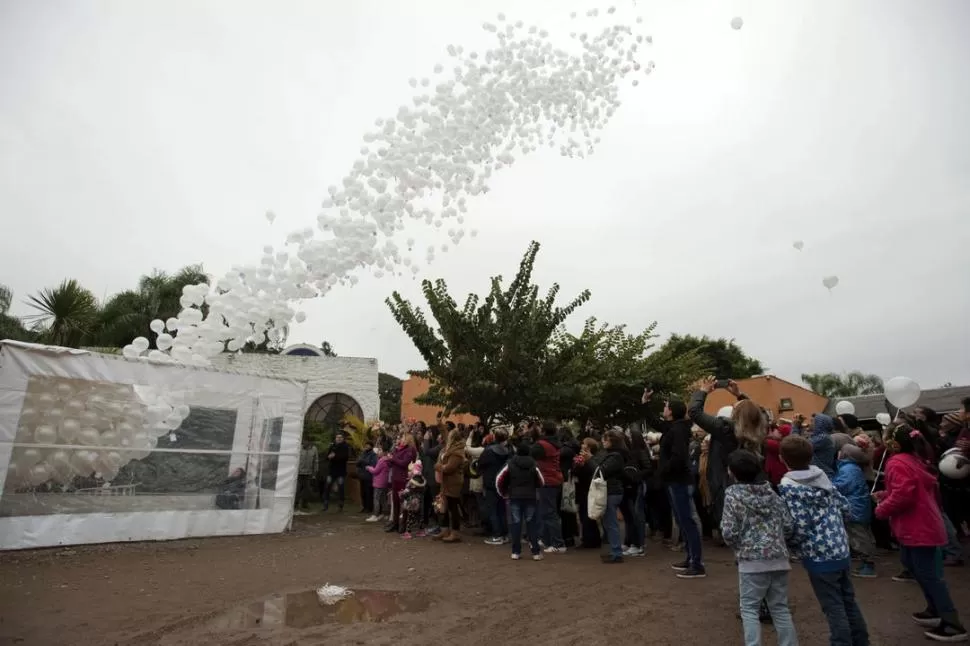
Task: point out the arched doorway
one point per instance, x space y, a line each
326 414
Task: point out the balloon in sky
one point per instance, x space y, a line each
845 408
830 282
737 23
798 244
480 113
902 392
883 418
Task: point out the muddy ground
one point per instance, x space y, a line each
212 591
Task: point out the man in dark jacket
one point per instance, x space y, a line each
674 467
546 452
366 459
490 464
337 456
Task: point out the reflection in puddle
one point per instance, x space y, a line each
303 610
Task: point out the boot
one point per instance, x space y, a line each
452 537
445 534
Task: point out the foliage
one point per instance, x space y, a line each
607 370
320 434
850 384
127 315
389 389
721 357
489 357
11 327
67 315
357 432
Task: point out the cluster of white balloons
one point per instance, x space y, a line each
469 119
114 423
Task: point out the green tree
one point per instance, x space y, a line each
722 357
850 384
11 327
490 357
127 315
389 389
67 315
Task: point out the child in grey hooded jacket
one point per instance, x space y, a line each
756 524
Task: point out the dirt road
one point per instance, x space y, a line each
232 591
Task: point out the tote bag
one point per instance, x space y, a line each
596 501
569 504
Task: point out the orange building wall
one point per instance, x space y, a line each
768 391
414 387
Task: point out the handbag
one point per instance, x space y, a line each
569 497
596 500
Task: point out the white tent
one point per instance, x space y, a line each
97 448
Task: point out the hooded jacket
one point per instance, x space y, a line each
675 453
491 463
756 524
610 463
546 453
823 446
850 480
911 503
452 463
380 473
819 512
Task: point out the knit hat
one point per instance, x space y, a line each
853 453
850 421
824 424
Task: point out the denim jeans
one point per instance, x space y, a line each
549 516
953 549
772 587
340 491
926 566
834 591
681 503
524 510
612 525
495 508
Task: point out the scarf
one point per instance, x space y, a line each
702 485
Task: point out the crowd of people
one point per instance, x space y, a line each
820 490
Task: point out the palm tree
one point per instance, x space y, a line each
67 315
127 315
851 384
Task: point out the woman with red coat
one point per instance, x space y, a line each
911 504
774 467
405 452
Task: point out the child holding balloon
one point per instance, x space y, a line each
910 502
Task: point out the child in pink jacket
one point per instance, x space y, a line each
381 473
911 504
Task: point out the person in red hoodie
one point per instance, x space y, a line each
546 452
774 467
911 504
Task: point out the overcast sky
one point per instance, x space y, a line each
154 134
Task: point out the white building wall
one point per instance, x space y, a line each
352 376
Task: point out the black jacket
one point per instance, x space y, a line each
610 463
520 478
338 463
675 453
491 462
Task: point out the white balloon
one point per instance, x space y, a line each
60 463
157 326
171 324
798 244
884 418
130 352
845 408
39 474
164 341
725 412
29 457
88 436
300 317
83 462
902 392
737 23
64 390
68 430
954 464
830 281
45 435
141 344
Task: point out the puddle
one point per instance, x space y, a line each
304 610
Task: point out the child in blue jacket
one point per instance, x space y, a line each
850 480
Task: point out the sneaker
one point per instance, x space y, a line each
434 531
865 571
927 619
904 577
947 633
372 519
537 557
634 551
506 540
693 572
554 550
495 540
610 559
516 557
681 566
406 536
420 534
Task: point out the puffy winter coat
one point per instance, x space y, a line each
911 503
850 480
